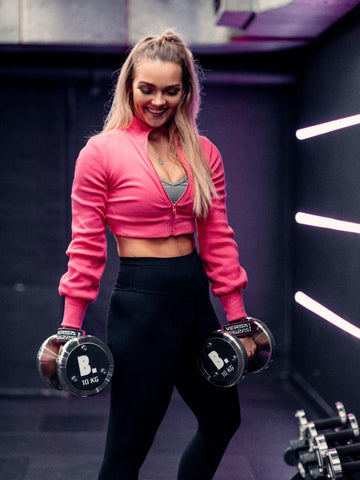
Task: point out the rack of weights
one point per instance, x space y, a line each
327 448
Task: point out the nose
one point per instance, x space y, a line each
158 100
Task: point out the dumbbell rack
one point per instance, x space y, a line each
327 448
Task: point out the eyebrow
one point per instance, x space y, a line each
176 85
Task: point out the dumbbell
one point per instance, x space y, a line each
323 423
320 444
335 468
84 366
223 360
332 467
300 444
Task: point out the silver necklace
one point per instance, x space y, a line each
160 161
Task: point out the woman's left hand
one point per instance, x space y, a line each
249 345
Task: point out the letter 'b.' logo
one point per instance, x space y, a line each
84 365
217 361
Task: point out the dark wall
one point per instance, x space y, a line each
49 105
327 263
250 125
44 121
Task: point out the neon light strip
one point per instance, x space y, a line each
326 222
327 127
327 314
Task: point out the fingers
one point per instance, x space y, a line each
250 346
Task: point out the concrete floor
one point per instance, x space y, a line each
62 438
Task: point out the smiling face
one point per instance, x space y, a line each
157 89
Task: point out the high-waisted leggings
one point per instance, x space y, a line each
158 315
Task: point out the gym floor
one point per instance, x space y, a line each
62 438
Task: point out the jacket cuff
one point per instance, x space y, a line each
233 305
74 312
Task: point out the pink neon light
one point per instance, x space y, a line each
327 314
327 127
326 222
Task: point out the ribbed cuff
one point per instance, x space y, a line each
74 312
233 306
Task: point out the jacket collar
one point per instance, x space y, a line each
139 128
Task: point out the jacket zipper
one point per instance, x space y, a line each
173 211
173 205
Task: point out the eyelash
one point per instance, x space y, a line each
172 93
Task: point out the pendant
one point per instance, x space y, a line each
160 161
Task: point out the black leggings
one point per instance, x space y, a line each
159 312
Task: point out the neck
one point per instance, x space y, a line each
158 135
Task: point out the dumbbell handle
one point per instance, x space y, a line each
331 422
346 434
352 449
340 420
351 467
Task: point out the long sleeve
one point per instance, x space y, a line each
217 247
87 250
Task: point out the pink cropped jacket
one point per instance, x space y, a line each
116 185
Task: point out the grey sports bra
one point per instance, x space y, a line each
175 189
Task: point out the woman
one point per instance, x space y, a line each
155 182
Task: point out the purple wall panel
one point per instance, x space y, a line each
250 125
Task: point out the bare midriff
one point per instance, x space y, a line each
155 247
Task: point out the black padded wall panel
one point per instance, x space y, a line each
326 182
32 182
251 125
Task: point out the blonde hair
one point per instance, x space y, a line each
182 128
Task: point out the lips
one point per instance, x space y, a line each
157 113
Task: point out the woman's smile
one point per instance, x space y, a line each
157 90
